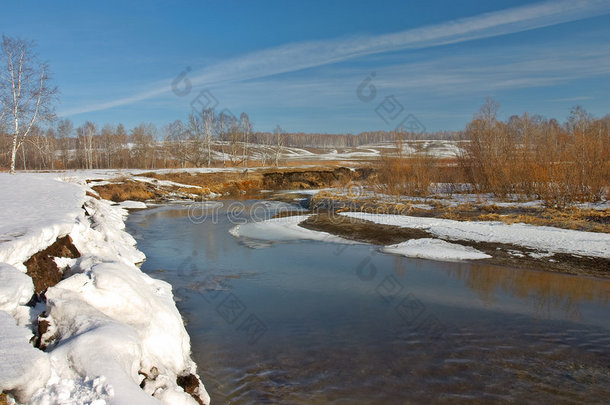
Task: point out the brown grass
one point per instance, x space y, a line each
568 218
223 182
126 190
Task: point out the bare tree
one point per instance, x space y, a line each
64 131
224 129
196 132
209 126
233 135
279 141
86 136
25 94
245 127
177 141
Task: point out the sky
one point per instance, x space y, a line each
320 66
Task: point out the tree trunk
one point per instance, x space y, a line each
13 154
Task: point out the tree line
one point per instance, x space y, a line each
525 156
538 157
31 138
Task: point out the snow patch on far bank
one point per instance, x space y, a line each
284 229
132 205
435 249
544 238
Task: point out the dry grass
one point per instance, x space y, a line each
568 218
3 399
126 190
223 182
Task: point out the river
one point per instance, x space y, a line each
312 322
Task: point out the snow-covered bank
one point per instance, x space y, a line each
543 238
36 210
435 249
110 329
283 229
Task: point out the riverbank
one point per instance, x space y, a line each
101 331
348 190
389 231
163 185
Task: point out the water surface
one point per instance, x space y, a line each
314 322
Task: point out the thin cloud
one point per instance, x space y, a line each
569 99
299 56
486 70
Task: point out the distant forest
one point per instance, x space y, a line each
205 139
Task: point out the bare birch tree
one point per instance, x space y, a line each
209 126
279 142
25 94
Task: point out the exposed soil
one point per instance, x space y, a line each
502 254
190 385
247 182
308 178
40 340
42 268
361 230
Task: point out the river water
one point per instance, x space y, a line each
314 322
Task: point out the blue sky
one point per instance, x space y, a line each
299 64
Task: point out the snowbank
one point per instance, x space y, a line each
36 209
284 229
132 205
544 238
435 249
23 369
111 328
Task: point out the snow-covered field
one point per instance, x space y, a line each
436 148
112 328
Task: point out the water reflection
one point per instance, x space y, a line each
547 292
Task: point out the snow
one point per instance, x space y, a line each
284 229
165 183
435 249
132 205
23 369
16 288
112 323
543 238
35 211
92 391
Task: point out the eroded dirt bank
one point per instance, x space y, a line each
184 184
